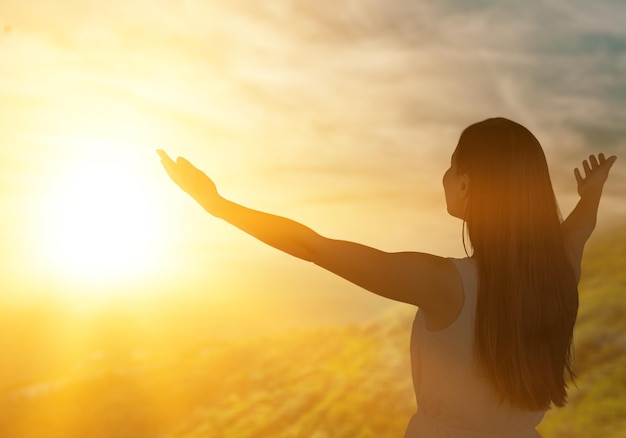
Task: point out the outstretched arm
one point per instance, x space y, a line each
411 277
582 220
282 233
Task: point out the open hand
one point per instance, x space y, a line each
192 180
596 172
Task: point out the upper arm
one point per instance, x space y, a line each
416 278
575 240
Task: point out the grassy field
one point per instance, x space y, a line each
351 381
598 403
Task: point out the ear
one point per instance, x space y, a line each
465 185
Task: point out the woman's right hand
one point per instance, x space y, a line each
596 172
192 180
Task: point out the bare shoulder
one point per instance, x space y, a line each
437 273
445 301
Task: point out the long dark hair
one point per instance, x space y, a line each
527 296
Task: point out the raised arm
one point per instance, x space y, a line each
581 222
416 278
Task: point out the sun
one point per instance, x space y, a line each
101 221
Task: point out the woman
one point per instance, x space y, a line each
491 342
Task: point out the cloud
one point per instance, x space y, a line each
376 84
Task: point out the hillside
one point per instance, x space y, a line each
598 403
338 382
350 381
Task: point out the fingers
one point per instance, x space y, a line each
606 161
599 161
180 161
170 166
184 163
181 171
592 164
586 168
168 163
578 176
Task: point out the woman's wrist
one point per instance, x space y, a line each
213 204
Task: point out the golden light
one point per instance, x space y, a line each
101 221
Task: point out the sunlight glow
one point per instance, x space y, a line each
101 220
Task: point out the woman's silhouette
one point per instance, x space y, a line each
491 341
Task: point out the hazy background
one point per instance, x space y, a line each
127 311
342 115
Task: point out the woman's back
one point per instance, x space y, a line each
454 400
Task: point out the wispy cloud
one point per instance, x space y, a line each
364 90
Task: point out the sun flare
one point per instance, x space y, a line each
101 221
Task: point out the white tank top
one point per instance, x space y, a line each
454 400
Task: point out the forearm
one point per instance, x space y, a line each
577 229
281 233
582 220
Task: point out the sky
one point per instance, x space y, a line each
341 115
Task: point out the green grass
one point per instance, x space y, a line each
598 404
351 381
